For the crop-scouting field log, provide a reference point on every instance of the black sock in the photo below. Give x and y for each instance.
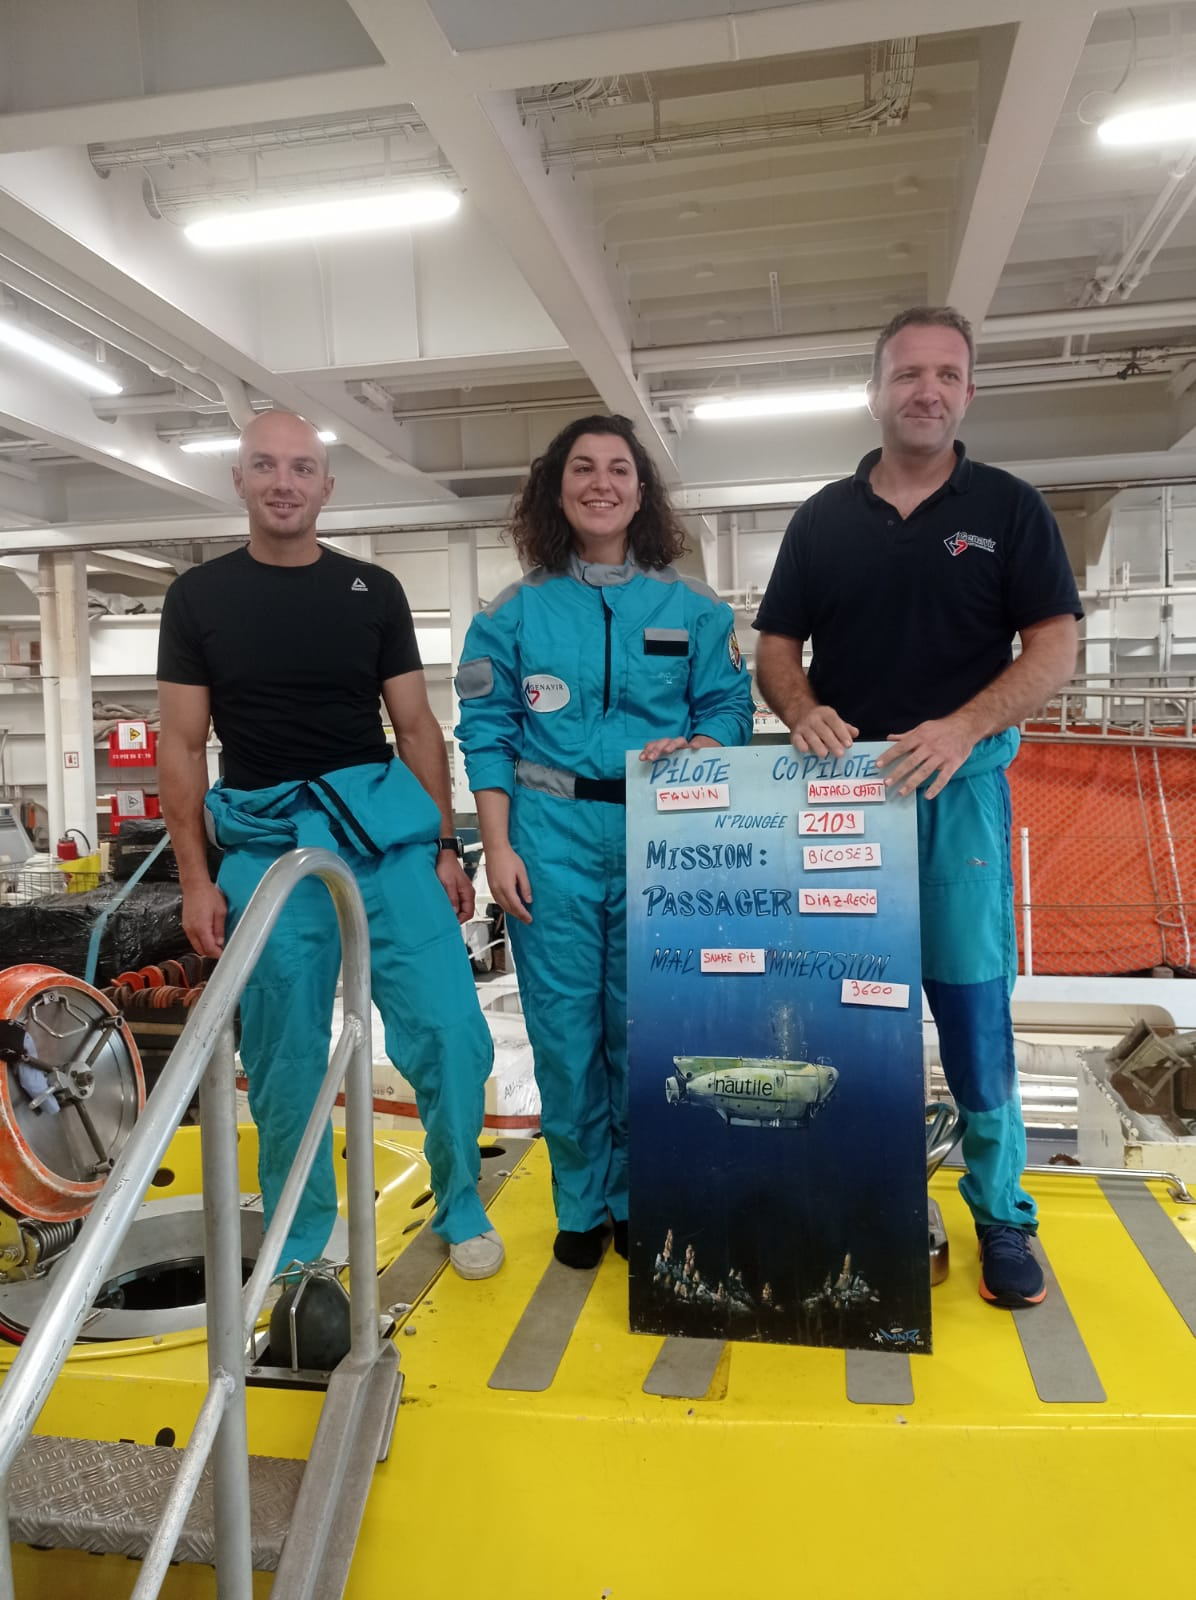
(580, 1250)
(620, 1240)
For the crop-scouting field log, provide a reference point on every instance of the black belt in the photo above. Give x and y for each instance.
(612, 790)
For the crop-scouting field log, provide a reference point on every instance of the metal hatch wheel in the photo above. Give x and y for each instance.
(71, 1090)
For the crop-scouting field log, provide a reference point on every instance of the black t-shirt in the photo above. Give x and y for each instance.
(294, 659)
(908, 620)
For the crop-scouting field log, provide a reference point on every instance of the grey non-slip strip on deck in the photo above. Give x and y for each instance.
(1054, 1349)
(542, 1333)
(1165, 1250)
(879, 1378)
(410, 1275)
(684, 1368)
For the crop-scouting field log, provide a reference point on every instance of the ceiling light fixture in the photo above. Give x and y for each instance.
(319, 219)
(220, 443)
(14, 337)
(794, 403)
(1165, 124)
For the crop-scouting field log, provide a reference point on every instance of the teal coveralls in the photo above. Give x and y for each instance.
(969, 962)
(381, 821)
(560, 677)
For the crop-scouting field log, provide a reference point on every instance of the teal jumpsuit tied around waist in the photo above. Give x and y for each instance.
(380, 821)
(969, 962)
(560, 677)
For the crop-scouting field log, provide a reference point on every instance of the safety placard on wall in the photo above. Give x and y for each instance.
(755, 1103)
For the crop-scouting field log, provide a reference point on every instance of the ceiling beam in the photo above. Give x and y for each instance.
(542, 218)
(743, 36)
(433, 522)
(126, 564)
(1185, 422)
(151, 285)
(1046, 53)
(21, 499)
(154, 116)
(47, 409)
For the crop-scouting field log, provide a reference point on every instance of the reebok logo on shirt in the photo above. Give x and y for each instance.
(959, 542)
(358, 587)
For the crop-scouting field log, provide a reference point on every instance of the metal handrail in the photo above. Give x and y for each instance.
(203, 1057)
(1065, 717)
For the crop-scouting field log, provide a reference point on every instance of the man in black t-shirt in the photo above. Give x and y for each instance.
(911, 579)
(287, 647)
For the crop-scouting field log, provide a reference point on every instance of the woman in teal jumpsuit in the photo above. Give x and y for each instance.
(601, 648)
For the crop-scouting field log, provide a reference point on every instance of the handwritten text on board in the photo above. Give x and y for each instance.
(694, 797)
(856, 993)
(837, 902)
(830, 823)
(825, 857)
(732, 961)
(855, 791)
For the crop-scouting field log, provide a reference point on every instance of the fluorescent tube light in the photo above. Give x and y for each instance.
(1166, 124)
(796, 403)
(220, 443)
(57, 359)
(323, 219)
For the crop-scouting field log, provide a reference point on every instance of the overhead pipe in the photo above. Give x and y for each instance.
(1120, 280)
(1160, 239)
(1098, 320)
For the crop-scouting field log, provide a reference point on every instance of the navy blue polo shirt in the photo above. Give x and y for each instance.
(910, 619)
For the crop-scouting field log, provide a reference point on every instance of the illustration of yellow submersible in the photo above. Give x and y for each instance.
(752, 1091)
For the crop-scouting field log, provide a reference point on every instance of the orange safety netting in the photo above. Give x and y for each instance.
(1112, 840)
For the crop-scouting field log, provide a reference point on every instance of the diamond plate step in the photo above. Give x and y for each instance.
(77, 1494)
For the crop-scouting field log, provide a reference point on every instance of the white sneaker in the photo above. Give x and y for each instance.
(479, 1257)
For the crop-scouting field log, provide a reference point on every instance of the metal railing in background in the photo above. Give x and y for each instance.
(1119, 713)
(204, 1057)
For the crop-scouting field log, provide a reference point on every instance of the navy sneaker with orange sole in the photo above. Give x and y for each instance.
(1009, 1274)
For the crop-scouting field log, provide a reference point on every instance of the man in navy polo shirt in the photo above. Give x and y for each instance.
(910, 580)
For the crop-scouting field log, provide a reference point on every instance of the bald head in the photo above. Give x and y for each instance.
(282, 476)
(278, 430)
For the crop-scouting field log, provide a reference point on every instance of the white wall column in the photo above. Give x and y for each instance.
(1097, 655)
(463, 605)
(47, 606)
(76, 725)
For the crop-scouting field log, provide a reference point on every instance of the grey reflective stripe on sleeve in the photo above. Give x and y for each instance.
(672, 635)
(671, 575)
(549, 780)
(475, 679)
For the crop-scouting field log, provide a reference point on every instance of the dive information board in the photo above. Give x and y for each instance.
(777, 1147)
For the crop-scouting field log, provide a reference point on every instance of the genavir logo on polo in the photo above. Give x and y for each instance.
(544, 693)
(959, 542)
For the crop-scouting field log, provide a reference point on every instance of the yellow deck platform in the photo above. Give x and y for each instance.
(772, 1484)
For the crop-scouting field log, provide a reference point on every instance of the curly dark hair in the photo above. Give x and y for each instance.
(538, 527)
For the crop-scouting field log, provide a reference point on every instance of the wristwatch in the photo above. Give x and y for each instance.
(452, 843)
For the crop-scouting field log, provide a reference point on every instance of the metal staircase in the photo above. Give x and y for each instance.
(211, 1502)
